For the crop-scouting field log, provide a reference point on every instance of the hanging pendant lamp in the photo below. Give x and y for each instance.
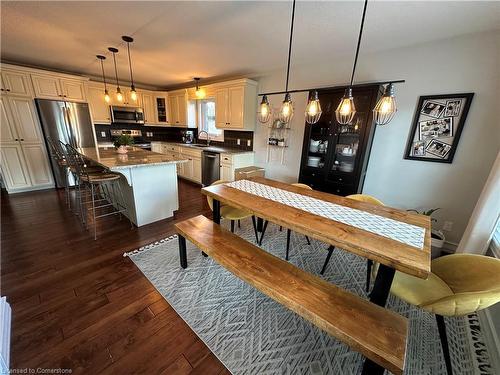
(286, 111)
(313, 108)
(133, 93)
(346, 110)
(199, 92)
(101, 58)
(119, 95)
(386, 108)
(264, 113)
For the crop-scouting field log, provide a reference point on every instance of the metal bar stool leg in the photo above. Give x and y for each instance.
(93, 210)
(288, 233)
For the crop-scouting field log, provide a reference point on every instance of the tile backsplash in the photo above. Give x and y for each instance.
(241, 140)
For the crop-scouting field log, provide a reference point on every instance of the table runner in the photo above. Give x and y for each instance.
(408, 234)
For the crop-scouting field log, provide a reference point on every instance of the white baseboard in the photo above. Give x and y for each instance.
(491, 338)
(5, 319)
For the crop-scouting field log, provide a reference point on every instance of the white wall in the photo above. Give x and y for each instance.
(468, 63)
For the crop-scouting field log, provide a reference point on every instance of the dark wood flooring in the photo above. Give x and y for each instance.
(79, 304)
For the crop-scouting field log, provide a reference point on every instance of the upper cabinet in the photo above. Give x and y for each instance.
(99, 109)
(48, 86)
(15, 83)
(161, 109)
(236, 105)
(177, 101)
(148, 107)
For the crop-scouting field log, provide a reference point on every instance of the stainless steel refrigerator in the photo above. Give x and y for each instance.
(67, 122)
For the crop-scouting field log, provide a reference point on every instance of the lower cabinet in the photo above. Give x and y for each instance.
(14, 169)
(230, 162)
(190, 170)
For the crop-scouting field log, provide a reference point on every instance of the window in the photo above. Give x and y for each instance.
(206, 120)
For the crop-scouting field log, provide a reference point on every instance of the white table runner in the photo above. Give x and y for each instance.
(408, 234)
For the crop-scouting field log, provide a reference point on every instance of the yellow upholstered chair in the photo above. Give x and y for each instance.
(458, 285)
(288, 231)
(232, 213)
(369, 263)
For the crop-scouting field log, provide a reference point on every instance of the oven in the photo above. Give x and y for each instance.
(127, 115)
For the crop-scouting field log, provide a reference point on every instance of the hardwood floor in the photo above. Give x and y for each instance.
(79, 304)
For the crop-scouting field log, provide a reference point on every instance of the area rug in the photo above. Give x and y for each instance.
(252, 334)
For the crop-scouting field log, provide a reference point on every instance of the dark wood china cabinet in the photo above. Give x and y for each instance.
(335, 156)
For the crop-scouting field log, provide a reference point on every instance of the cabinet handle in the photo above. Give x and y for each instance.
(340, 178)
(8, 90)
(22, 139)
(2, 90)
(16, 140)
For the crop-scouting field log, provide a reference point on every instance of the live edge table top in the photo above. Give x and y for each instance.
(413, 260)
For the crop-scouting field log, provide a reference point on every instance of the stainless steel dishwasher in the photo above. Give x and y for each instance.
(210, 167)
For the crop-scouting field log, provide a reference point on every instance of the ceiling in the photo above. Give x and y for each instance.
(175, 41)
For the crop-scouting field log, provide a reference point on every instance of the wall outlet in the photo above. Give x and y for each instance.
(103, 134)
(238, 141)
(249, 142)
(448, 226)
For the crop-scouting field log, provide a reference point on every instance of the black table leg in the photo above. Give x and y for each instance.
(216, 213)
(263, 232)
(260, 224)
(182, 251)
(378, 296)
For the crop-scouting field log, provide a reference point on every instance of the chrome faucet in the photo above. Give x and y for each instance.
(208, 136)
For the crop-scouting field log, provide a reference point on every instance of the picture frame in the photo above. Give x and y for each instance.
(436, 128)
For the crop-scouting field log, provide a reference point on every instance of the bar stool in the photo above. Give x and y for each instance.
(58, 155)
(98, 188)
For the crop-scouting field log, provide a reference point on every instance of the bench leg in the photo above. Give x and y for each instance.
(255, 230)
(369, 264)
(308, 241)
(444, 343)
(288, 233)
(330, 252)
(232, 226)
(216, 213)
(263, 231)
(378, 296)
(260, 224)
(182, 251)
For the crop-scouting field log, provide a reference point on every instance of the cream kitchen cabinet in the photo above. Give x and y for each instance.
(191, 170)
(15, 83)
(235, 105)
(230, 162)
(177, 101)
(54, 87)
(24, 163)
(99, 108)
(157, 147)
(161, 109)
(148, 107)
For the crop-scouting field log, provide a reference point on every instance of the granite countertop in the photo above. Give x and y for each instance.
(224, 150)
(136, 157)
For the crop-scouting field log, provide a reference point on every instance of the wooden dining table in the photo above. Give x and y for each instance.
(396, 239)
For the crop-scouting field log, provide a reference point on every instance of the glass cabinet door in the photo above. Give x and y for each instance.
(347, 144)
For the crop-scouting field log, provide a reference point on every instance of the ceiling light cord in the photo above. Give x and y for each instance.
(290, 46)
(103, 75)
(116, 71)
(130, 65)
(359, 42)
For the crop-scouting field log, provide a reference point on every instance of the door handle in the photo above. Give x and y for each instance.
(209, 156)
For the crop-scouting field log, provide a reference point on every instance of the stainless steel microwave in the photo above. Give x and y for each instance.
(129, 115)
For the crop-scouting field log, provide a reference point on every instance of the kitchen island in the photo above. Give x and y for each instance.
(149, 182)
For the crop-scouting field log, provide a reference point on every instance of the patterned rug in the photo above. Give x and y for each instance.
(252, 334)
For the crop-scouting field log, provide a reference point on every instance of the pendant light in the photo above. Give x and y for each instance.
(199, 92)
(313, 108)
(264, 113)
(286, 111)
(119, 95)
(346, 110)
(386, 108)
(133, 93)
(106, 94)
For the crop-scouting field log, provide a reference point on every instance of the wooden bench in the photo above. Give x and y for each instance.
(377, 333)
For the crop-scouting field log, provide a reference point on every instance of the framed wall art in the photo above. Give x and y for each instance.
(436, 128)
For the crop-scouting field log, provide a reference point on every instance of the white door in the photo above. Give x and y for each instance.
(14, 170)
(46, 86)
(73, 89)
(17, 83)
(25, 119)
(149, 108)
(38, 164)
(221, 108)
(8, 132)
(236, 97)
(99, 109)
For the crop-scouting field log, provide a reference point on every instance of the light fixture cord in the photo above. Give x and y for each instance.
(359, 42)
(103, 76)
(116, 71)
(130, 64)
(290, 46)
